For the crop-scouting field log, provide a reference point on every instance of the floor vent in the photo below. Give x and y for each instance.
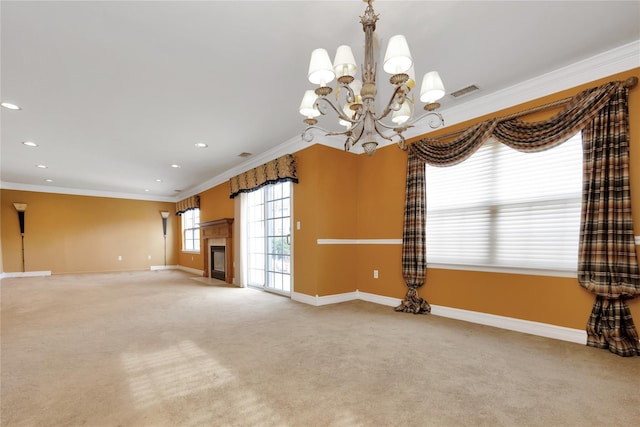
(464, 91)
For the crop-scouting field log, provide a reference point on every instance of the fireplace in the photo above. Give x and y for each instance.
(218, 249)
(218, 262)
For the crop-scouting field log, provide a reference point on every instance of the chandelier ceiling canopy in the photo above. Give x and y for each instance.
(357, 110)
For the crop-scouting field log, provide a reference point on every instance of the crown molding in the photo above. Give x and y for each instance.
(290, 146)
(83, 192)
(617, 60)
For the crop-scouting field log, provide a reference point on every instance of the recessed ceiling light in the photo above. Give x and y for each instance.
(158, 180)
(48, 180)
(175, 166)
(146, 190)
(10, 106)
(30, 144)
(201, 145)
(41, 166)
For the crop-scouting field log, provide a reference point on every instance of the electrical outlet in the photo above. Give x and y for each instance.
(149, 257)
(119, 257)
(375, 274)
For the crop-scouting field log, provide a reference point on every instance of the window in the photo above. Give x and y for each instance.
(504, 209)
(191, 230)
(268, 244)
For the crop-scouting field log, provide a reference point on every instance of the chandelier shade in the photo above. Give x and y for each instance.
(344, 63)
(398, 58)
(307, 107)
(403, 114)
(432, 88)
(320, 68)
(355, 105)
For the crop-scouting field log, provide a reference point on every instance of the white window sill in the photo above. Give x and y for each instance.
(508, 270)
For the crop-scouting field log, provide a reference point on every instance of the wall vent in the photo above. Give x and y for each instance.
(464, 91)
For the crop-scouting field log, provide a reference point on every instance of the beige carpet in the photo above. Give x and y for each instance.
(162, 349)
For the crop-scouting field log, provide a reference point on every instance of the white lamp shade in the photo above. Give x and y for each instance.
(397, 59)
(320, 68)
(164, 214)
(432, 88)
(307, 107)
(347, 112)
(344, 64)
(403, 114)
(20, 207)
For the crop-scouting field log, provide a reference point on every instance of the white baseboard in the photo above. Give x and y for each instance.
(378, 299)
(518, 325)
(163, 267)
(25, 274)
(510, 323)
(177, 267)
(190, 270)
(325, 300)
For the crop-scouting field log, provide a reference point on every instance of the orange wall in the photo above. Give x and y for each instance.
(381, 188)
(74, 234)
(325, 204)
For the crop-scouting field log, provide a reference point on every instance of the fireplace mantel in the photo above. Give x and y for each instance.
(215, 230)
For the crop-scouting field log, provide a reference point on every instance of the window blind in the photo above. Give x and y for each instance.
(504, 208)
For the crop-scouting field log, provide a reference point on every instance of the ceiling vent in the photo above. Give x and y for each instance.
(464, 91)
(245, 154)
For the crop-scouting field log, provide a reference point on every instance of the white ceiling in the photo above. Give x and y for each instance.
(115, 92)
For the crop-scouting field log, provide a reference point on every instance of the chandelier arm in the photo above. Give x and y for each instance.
(399, 93)
(340, 114)
(402, 143)
(381, 133)
(307, 135)
(433, 124)
(351, 97)
(357, 132)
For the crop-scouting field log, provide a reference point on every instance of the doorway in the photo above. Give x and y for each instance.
(269, 242)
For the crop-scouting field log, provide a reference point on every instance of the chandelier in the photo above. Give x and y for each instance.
(357, 111)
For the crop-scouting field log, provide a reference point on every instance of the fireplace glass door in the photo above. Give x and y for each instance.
(218, 262)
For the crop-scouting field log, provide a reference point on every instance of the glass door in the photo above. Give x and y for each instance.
(269, 238)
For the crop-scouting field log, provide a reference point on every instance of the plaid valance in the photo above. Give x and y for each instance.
(189, 203)
(278, 170)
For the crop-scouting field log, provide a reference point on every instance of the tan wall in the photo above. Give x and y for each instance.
(74, 234)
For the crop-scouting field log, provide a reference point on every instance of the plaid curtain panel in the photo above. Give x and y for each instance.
(414, 260)
(607, 262)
